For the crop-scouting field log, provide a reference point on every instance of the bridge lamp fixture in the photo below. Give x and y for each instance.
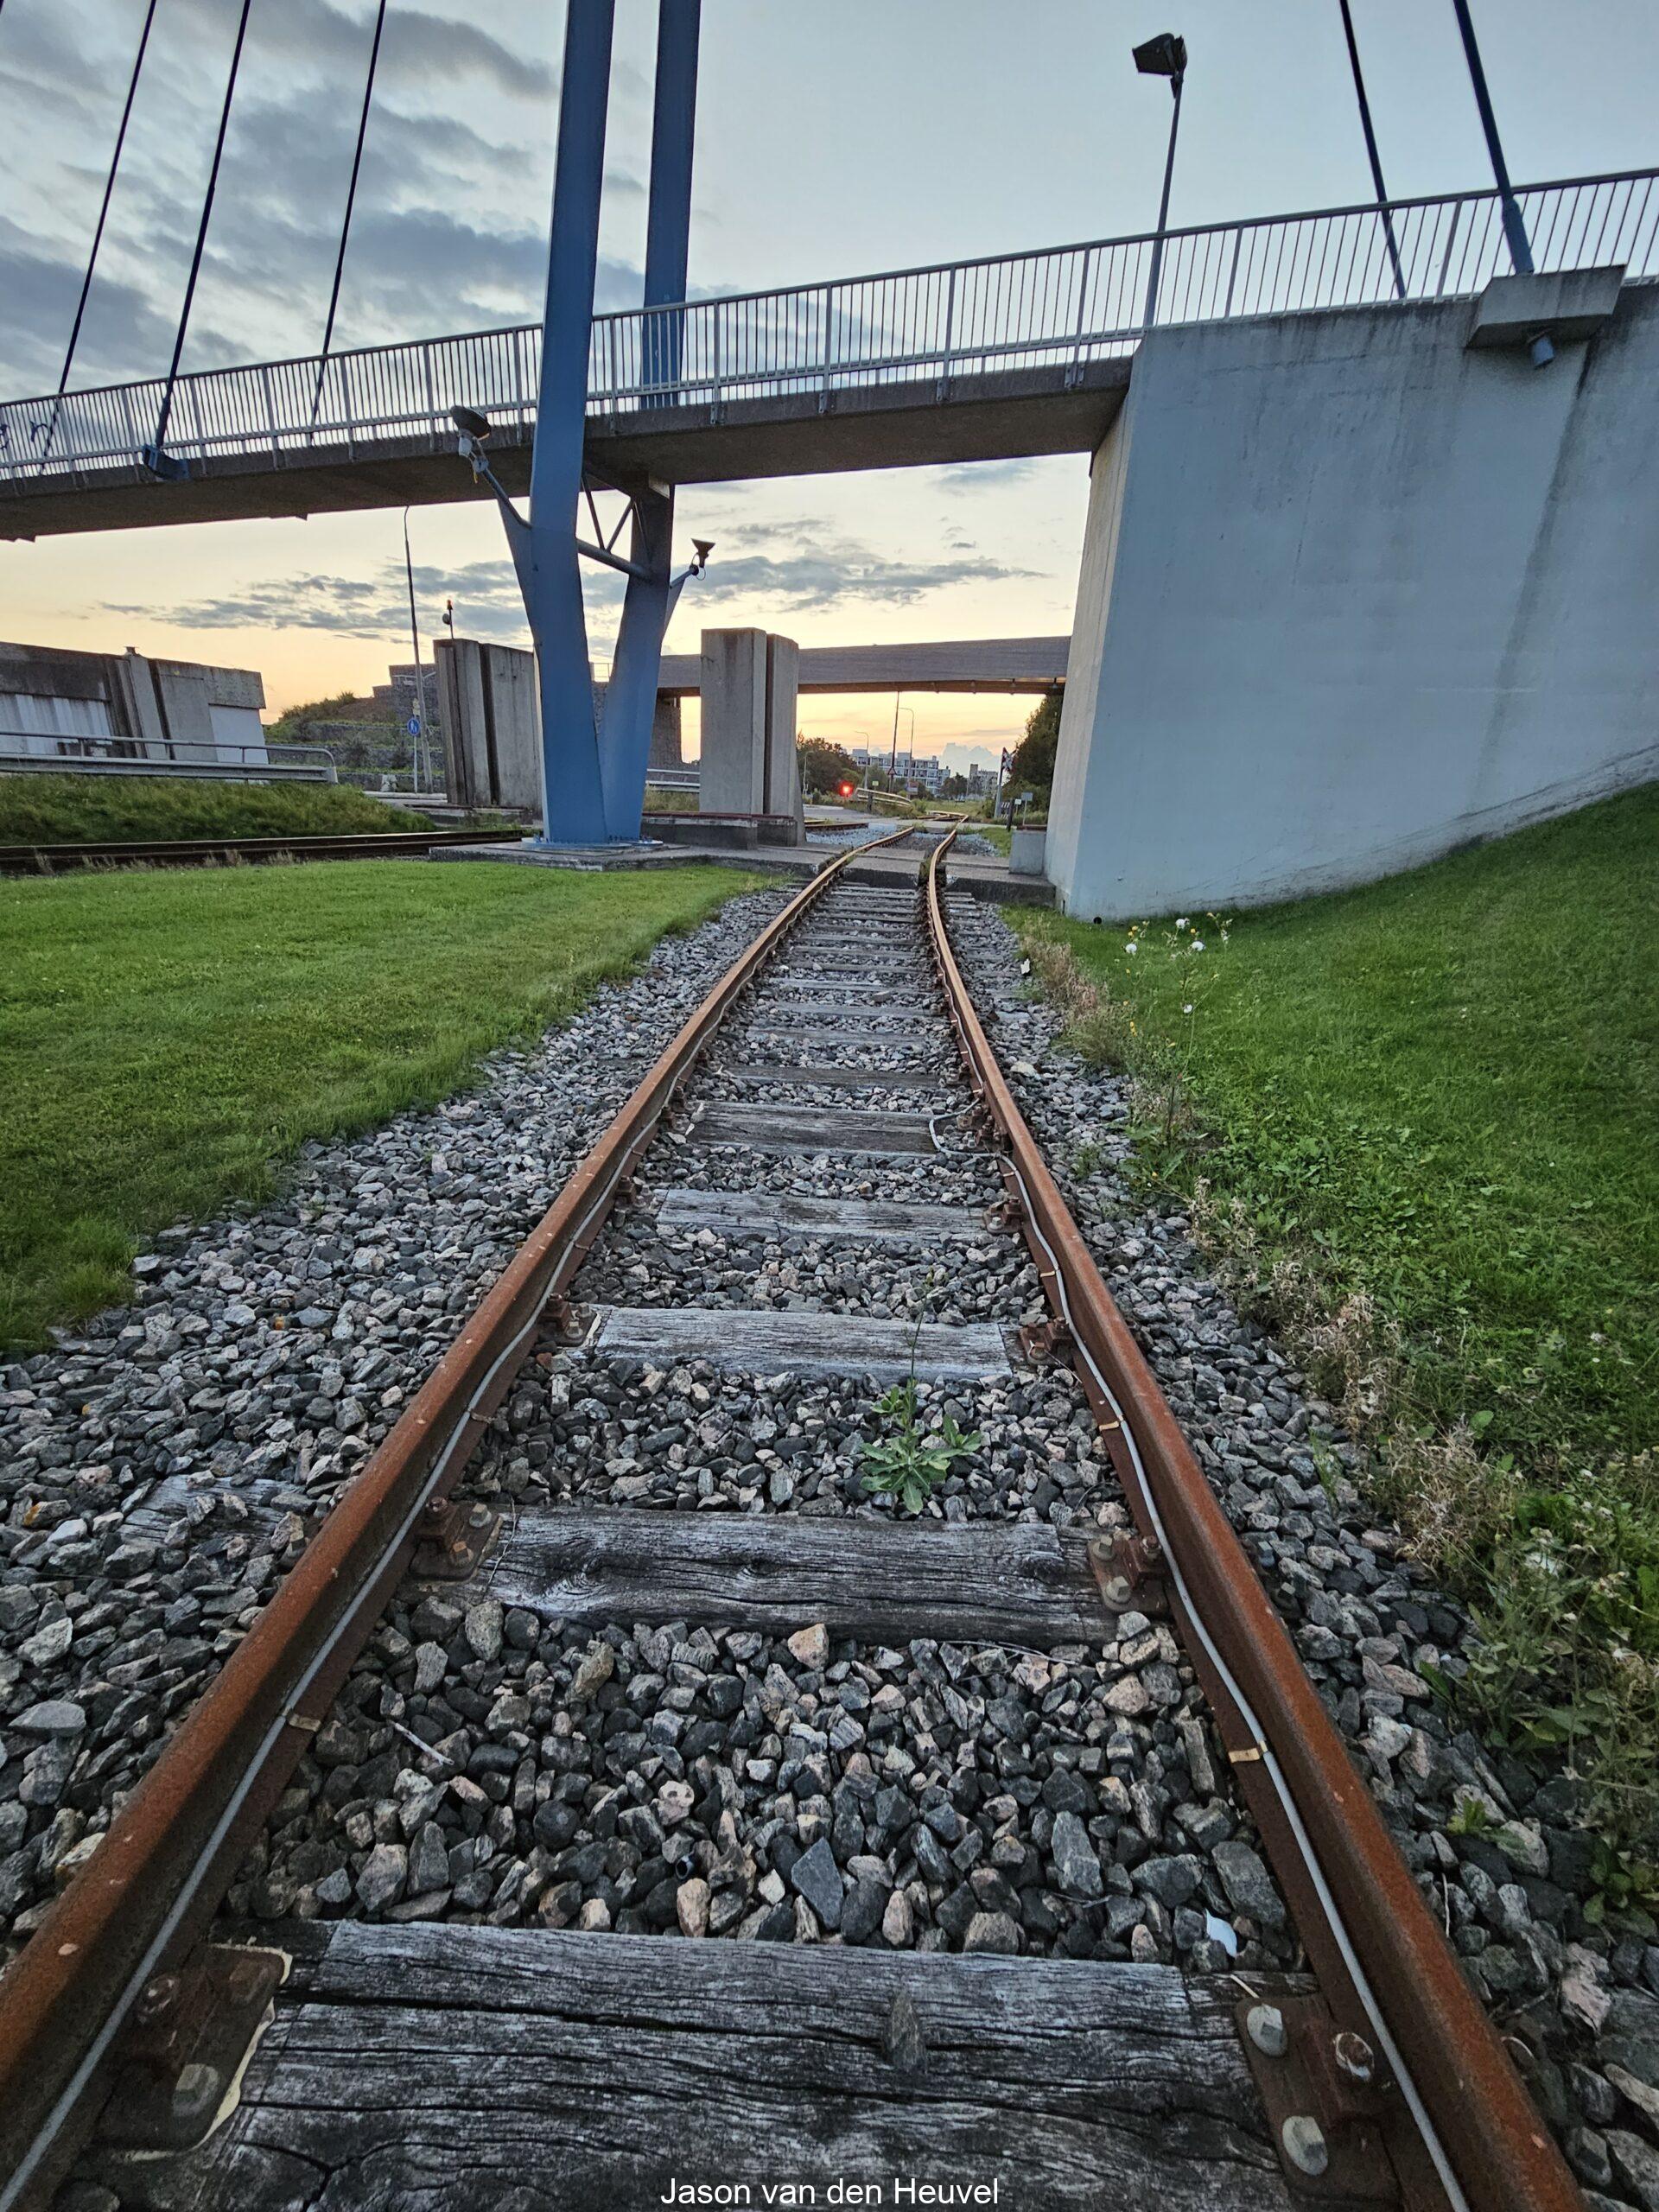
(1163, 56)
(474, 430)
(702, 547)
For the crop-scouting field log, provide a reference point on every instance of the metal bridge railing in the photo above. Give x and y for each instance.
(1068, 305)
(23, 751)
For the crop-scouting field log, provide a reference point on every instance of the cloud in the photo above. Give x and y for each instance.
(40, 290)
(815, 576)
(449, 232)
(333, 44)
(828, 574)
(374, 607)
(980, 475)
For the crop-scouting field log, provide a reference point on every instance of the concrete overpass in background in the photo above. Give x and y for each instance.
(1020, 355)
(1029, 665)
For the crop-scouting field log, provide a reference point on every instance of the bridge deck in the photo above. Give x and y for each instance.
(1011, 414)
(1021, 355)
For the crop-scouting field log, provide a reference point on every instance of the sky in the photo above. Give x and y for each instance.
(833, 140)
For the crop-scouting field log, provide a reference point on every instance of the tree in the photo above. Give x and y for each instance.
(1032, 768)
(293, 725)
(825, 767)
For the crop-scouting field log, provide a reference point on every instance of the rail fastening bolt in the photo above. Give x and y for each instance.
(1353, 2055)
(1265, 2025)
(197, 2092)
(160, 1995)
(1305, 2144)
(244, 1981)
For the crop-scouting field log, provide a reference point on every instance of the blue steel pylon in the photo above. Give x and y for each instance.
(652, 592)
(544, 546)
(593, 791)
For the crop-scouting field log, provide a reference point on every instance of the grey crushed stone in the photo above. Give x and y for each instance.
(161, 1467)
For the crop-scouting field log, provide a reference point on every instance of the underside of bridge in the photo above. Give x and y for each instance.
(1012, 415)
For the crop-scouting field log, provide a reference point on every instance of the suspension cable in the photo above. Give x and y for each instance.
(97, 234)
(345, 224)
(157, 451)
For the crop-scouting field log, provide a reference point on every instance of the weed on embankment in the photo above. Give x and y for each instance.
(1414, 1125)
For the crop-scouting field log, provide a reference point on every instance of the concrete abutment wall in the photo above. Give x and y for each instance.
(1352, 595)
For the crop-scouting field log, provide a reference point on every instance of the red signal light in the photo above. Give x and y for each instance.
(846, 791)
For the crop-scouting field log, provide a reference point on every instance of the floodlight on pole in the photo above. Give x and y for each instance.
(1163, 56)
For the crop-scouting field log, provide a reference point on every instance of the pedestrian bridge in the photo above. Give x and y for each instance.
(1023, 355)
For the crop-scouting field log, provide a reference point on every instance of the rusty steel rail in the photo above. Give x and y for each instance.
(1464, 2131)
(150, 1889)
(205, 852)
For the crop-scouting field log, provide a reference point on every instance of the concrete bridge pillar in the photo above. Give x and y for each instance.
(666, 751)
(750, 682)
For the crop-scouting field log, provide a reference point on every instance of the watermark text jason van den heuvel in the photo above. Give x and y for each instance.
(902, 2189)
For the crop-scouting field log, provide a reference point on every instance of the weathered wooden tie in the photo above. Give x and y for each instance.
(456, 2069)
(854, 1221)
(738, 1340)
(766, 1076)
(813, 1128)
(976, 1583)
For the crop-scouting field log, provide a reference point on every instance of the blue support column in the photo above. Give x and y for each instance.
(631, 697)
(544, 549)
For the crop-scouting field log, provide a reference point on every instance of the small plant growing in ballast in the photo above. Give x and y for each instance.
(906, 1464)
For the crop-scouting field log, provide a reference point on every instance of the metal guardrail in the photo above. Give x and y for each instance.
(123, 756)
(1072, 305)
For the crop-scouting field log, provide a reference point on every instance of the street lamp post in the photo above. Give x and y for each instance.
(1163, 56)
(892, 764)
(418, 714)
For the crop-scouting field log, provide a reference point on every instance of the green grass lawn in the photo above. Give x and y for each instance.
(98, 809)
(168, 1037)
(1440, 1091)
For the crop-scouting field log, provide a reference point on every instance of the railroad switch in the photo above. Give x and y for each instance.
(191, 2036)
(1326, 2094)
(1131, 1575)
(454, 1534)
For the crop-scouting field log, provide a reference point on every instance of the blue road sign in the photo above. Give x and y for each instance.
(413, 725)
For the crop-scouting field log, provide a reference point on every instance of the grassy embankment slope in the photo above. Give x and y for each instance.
(169, 1038)
(100, 809)
(1424, 1113)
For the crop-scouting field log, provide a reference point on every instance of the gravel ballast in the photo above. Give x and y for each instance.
(160, 1469)
(485, 1764)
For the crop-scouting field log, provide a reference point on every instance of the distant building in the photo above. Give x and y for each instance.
(396, 700)
(917, 772)
(56, 702)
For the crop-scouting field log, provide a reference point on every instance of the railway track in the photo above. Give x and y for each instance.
(216, 852)
(996, 1779)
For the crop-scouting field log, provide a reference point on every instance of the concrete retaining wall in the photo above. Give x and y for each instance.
(1352, 595)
